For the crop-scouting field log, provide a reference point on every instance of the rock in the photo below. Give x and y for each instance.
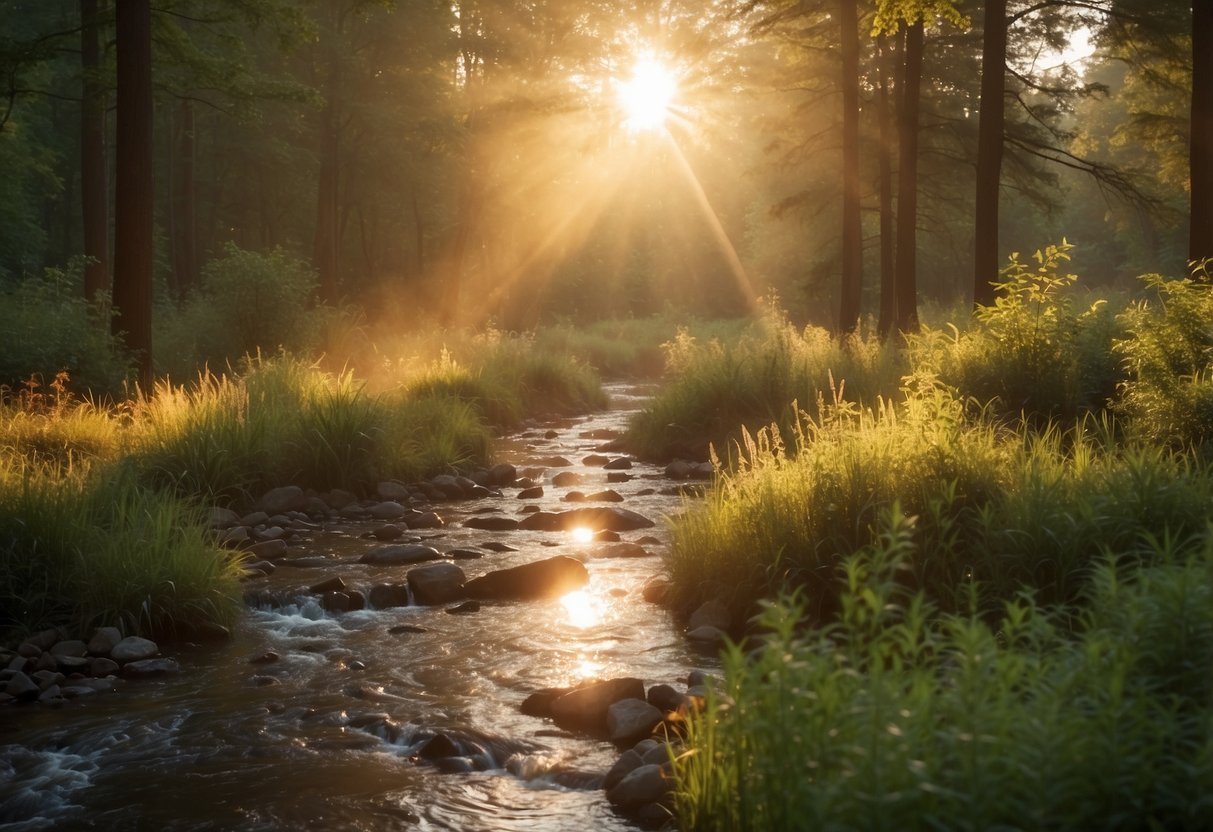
(665, 699)
(76, 691)
(22, 688)
(47, 661)
(540, 702)
(218, 517)
(392, 490)
(307, 562)
(103, 641)
(619, 464)
(607, 496)
(29, 651)
(656, 589)
(619, 476)
(623, 550)
(532, 493)
(101, 667)
(256, 518)
(339, 602)
(553, 462)
(573, 497)
(679, 470)
(339, 498)
(479, 492)
(539, 579)
(631, 719)
(53, 695)
(641, 786)
(72, 664)
(658, 755)
(397, 554)
(334, 584)
(72, 647)
(387, 510)
(437, 583)
(541, 521)
(464, 554)
(424, 520)
(707, 635)
(551, 434)
(497, 546)
(234, 537)
(702, 679)
(566, 478)
(387, 532)
(144, 668)
(133, 649)
(466, 608)
(586, 707)
(628, 762)
(604, 517)
(449, 486)
(384, 596)
(267, 549)
(44, 640)
(263, 681)
(594, 460)
(280, 500)
(491, 524)
(714, 613)
(438, 746)
(268, 657)
(653, 815)
(503, 474)
(606, 536)
(400, 629)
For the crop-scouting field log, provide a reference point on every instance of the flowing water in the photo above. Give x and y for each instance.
(327, 736)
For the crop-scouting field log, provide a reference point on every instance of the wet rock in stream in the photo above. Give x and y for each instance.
(548, 578)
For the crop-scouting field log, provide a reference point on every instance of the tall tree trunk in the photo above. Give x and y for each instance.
(185, 198)
(1200, 230)
(133, 214)
(94, 177)
(888, 279)
(989, 150)
(907, 184)
(852, 230)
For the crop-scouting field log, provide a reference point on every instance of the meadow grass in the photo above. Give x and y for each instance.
(898, 717)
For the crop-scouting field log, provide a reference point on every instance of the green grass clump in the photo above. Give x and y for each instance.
(714, 388)
(897, 717)
(80, 551)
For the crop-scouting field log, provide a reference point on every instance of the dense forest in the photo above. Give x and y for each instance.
(471, 163)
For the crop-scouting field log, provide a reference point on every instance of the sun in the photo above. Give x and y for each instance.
(646, 96)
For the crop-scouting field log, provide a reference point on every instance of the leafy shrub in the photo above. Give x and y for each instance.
(1168, 354)
(1031, 353)
(49, 328)
(897, 717)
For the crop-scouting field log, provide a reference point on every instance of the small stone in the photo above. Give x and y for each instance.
(22, 688)
(44, 640)
(665, 698)
(76, 691)
(385, 596)
(73, 647)
(221, 518)
(257, 518)
(46, 678)
(261, 681)
(595, 460)
(619, 464)
(564, 479)
(150, 667)
(53, 695)
(607, 496)
(268, 657)
(267, 549)
(425, 520)
(388, 532)
(466, 608)
(101, 667)
(623, 550)
(387, 510)
(586, 707)
(334, 584)
(279, 500)
(29, 651)
(618, 476)
(438, 746)
(532, 493)
(656, 589)
(491, 524)
(497, 546)
(464, 554)
(395, 554)
(133, 649)
(573, 497)
(707, 635)
(606, 536)
(73, 664)
(392, 490)
(234, 537)
(503, 474)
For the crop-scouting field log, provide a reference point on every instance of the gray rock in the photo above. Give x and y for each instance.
(384, 596)
(133, 649)
(466, 608)
(22, 688)
(29, 651)
(532, 493)
(53, 695)
(76, 691)
(392, 490)
(334, 584)
(679, 470)
(73, 664)
(622, 550)
(338, 498)
(150, 667)
(643, 785)
(234, 537)
(279, 500)
(701, 679)
(221, 518)
(267, 549)
(72, 647)
(659, 755)
(566, 478)
(586, 707)
(631, 719)
(424, 520)
(552, 462)
(388, 532)
(101, 667)
(540, 579)
(401, 629)
(270, 534)
(256, 518)
(607, 496)
(656, 589)
(464, 554)
(664, 698)
(628, 762)
(437, 583)
(46, 678)
(103, 641)
(707, 635)
(714, 613)
(619, 464)
(449, 486)
(387, 510)
(44, 640)
(502, 474)
(397, 554)
(594, 460)
(619, 476)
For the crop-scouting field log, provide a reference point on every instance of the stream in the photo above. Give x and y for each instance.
(327, 736)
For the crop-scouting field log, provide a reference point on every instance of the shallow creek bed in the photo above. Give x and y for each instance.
(385, 717)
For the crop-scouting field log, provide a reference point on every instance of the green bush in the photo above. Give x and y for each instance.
(49, 328)
(1031, 354)
(1168, 353)
(896, 717)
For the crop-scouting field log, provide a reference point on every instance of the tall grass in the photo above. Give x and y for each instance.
(80, 551)
(896, 717)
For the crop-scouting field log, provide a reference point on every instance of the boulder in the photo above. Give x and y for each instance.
(566, 478)
(150, 667)
(397, 554)
(594, 460)
(234, 537)
(665, 698)
(503, 474)
(387, 510)
(491, 523)
(547, 578)
(334, 584)
(609, 495)
(622, 550)
(629, 720)
(283, 499)
(133, 649)
(656, 589)
(22, 688)
(641, 786)
(267, 549)
(585, 708)
(449, 486)
(437, 583)
(714, 613)
(71, 647)
(383, 596)
(707, 635)
(387, 532)
(532, 493)
(392, 490)
(466, 608)
(628, 762)
(424, 520)
(604, 517)
(618, 464)
(221, 518)
(101, 667)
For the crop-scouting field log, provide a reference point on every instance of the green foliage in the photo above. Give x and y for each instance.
(714, 388)
(250, 301)
(49, 328)
(897, 717)
(1030, 353)
(1168, 354)
(128, 556)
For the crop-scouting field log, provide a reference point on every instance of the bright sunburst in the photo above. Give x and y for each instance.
(647, 95)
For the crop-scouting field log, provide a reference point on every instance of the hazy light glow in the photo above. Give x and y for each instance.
(647, 95)
(582, 535)
(582, 609)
